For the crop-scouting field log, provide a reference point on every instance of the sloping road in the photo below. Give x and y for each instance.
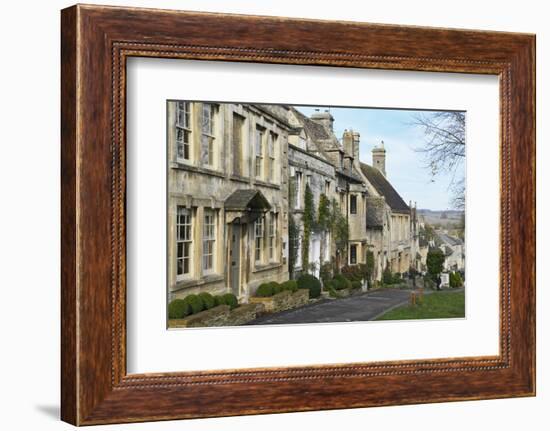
(351, 309)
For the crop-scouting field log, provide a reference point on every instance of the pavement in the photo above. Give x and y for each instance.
(367, 306)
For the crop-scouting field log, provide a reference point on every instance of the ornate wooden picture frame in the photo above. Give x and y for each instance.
(96, 41)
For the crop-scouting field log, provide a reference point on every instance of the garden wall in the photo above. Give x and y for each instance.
(282, 301)
(221, 315)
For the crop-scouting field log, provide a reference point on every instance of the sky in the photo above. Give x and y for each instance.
(405, 165)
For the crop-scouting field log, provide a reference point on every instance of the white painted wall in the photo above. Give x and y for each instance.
(29, 173)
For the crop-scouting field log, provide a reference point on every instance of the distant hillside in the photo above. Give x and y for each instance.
(441, 217)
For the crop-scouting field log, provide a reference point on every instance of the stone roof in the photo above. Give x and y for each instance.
(447, 250)
(246, 199)
(447, 239)
(328, 146)
(279, 112)
(314, 130)
(375, 212)
(384, 188)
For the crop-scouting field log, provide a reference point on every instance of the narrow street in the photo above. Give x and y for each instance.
(355, 308)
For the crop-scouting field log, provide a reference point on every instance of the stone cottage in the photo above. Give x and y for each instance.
(237, 174)
(330, 170)
(227, 197)
(388, 219)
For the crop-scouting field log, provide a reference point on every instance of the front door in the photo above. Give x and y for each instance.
(235, 258)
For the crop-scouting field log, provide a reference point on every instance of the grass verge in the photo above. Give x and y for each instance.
(437, 305)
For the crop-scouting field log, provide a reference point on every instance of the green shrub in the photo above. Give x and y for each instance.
(207, 299)
(218, 299)
(350, 271)
(231, 300)
(357, 272)
(178, 309)
(290, 285)
(340, 282)
(328, 285)
(396, 279)
(387, 276)
(325, 271)
(331, 290)
(276, 287)
(455, 280)
(195, 303)
(264, 290)
(356, 284)
(308, 281)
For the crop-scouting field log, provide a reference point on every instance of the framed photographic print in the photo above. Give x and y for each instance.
(268, 215)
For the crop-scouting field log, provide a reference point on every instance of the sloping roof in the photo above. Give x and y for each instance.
(447, 250)
(246, 199)
(384, 188)
(328, 146)
(313, 129)
(275, 111)
(375, 212)
(447, 239)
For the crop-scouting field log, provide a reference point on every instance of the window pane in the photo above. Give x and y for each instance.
(183, 239)
(186, 266)
(207, 119)
(205, 150)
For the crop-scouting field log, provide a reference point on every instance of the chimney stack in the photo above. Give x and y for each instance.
(350, 142)
(379, 158)
(325, 119)
(356, 139)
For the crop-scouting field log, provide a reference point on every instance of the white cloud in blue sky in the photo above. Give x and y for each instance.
(405, 167)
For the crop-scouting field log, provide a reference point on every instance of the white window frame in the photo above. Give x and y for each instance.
(356, 253)
(209, 241)
(259, 153)
(272, 232)
(273, 137)
(184, 236)
(183, 131)
(259, 240)
(208, 138)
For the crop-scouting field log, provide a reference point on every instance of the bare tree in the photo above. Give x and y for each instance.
(445, 148)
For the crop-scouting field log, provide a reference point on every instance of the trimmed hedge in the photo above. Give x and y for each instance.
(178, 309)
(208, 300)
(229, 299)
(265, 290)
(290, 285)
(195, 302)
(275, 287)
(311, 283)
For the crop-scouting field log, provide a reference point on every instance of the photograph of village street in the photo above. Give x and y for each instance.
(287, 214)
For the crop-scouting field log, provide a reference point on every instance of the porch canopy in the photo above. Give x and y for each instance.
(245, 206)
